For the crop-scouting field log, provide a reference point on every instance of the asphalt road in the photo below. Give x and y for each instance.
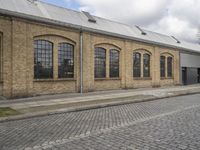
(172, 124)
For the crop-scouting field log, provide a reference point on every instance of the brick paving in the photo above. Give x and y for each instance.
(177, 131)
(161, 124)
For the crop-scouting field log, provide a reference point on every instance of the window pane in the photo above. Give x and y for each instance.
(100, 63)
(162, 66)
(43, 62)
(169, 66)
(146, 60)
(114, 63)
(136, 64)
(65, 60)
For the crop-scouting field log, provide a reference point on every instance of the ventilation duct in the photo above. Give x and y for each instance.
(142, 31)
(177, 41)
(90, 17)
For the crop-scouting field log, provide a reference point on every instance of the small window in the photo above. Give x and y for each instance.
(65, 60)
(114, 63)
(43, 59)
(162, 66)
(136, 65)
(146, 63)
(169, 66)
(100, 62)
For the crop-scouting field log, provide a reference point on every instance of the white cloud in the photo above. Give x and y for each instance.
(172, 25)
(174, 17)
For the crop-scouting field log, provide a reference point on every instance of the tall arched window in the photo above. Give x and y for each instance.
(65, 60)
(146, 65)
(100, 63)
(162, 66)
(169, 66)
(136, 65)
(43, 59)
(114, 63)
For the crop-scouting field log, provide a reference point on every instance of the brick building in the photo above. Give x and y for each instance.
(45, 49)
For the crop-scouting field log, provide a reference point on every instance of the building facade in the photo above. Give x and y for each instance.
(41, 55)
(43, 59)
(190, 68)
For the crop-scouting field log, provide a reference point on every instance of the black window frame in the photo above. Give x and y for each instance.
(43, 59)
(146, 65)
(170, 67)
(65, 60)
(114, 63)
(162, 66)
(137, 65)
(100, 62)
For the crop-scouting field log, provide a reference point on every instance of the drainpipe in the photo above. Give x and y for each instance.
(81, 62)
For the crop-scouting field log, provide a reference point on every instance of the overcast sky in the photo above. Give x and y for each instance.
(180, 18)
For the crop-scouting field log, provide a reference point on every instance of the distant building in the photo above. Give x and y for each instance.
(45, 49)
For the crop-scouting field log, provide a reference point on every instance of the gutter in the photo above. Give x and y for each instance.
(82, 28)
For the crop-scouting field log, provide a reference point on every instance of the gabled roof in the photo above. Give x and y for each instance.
(43, 12)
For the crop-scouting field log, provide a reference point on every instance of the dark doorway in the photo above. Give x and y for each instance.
(184, 75)
(198, 78)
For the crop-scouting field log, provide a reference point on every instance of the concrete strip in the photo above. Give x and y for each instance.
(158, 93)
(72, 96)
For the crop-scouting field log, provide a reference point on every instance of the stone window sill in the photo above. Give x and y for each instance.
(54, 80)
(166, 78)
(142, 78)
(103, 79)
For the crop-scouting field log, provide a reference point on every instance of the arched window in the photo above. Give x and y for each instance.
(169, 66)
(65, 60)
(100, 63)
(43, 59)
(114, 63)
(146, 65)
(136, 65)
(162, 66)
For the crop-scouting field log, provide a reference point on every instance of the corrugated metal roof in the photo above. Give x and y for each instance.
(49, 13)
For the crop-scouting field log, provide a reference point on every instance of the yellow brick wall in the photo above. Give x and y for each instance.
(126, 48)
(55, 35)
(6, 31)
(18, 60)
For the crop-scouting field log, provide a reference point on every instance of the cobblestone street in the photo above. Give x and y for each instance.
(172, 123)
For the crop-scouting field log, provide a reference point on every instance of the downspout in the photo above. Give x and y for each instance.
(81, 61)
